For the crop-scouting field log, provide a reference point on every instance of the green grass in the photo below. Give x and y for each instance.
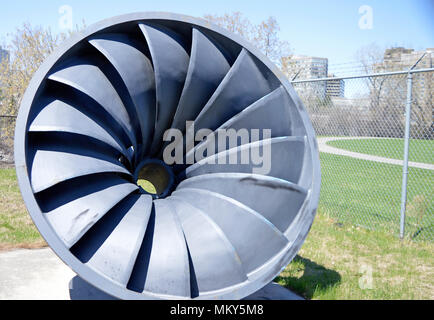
(368, 193)
(16, 227)
(338, 254)
(419, 150)
(336, 260)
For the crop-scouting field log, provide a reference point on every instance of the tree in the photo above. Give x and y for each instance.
(265, 35)
(234, 22)
(28, 48)
(266, 38)
(370, 58)
(386, 93)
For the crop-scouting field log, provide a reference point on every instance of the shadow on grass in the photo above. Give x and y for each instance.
(315, 278)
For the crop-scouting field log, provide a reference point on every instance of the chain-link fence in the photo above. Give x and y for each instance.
(360, 123)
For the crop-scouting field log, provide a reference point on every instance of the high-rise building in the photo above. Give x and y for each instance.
(335, 88)
(400, 58)
(307, 67)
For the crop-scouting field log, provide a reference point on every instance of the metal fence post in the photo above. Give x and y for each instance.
(405, 164)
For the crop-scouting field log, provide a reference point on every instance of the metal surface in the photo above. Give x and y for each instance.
(98, 108)
(405, 164)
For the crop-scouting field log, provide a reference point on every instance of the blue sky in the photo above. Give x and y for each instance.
(322, 28)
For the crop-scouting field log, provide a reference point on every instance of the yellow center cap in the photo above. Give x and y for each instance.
(153, 178)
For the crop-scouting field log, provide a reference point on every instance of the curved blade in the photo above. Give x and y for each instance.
(90, 80)
(208, 66)
(240, 224)
(208, 248)
(59, 116)
(270, 112)
(73, 219)
(51, 167)
(244, 84)
(170, 61)
(276, 200)
(137, 73)
(168, 270)
(117, 255)
(282, 158)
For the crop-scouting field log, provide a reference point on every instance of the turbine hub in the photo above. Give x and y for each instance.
(154, 177)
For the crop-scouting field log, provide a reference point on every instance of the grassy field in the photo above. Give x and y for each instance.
(420, 150)
(16, 226)
(368, 193)
(339, 257)
(341, 261)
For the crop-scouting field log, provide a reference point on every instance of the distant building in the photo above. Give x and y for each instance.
(307, 67)
(335, 88)
(400, 58)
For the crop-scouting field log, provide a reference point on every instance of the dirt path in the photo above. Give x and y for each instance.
(323, 147)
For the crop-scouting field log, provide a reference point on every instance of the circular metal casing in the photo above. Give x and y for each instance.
(224, 232)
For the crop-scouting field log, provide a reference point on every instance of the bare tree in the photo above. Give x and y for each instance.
(267, 39)
(28, 48)
(386, 93)
(265, 35)
(234, 22)
(370, 57)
